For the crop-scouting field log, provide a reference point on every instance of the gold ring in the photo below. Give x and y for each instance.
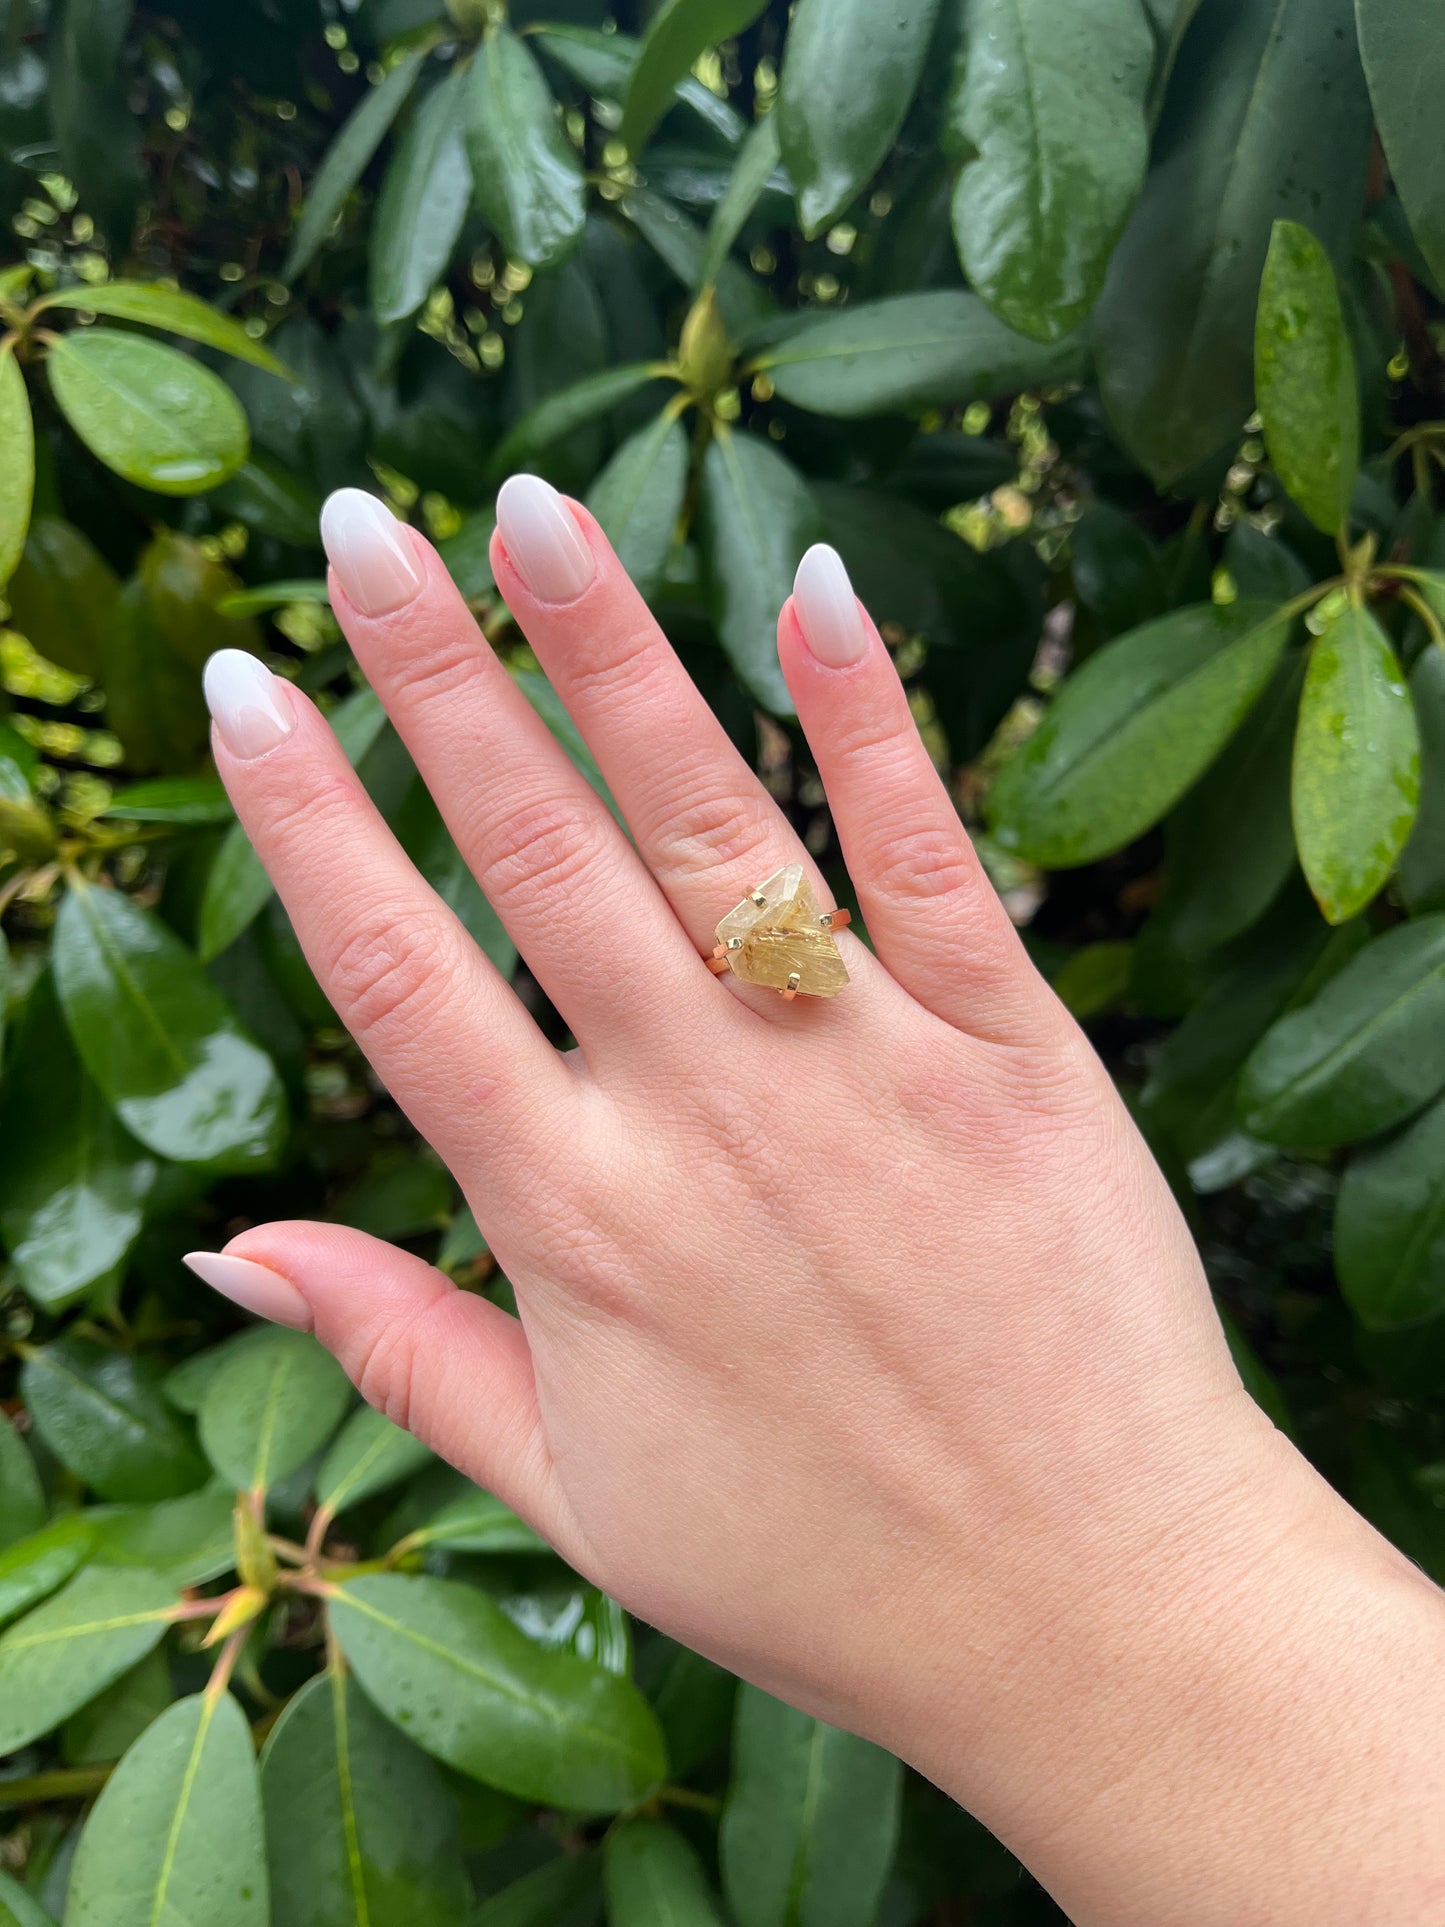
(779, 938)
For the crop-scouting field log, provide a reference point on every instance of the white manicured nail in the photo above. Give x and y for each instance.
(542, 538)
(251, 708)
(365, 545)
(827, 609)
(254, 1287)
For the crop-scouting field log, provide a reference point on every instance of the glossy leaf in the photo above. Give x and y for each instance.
(18, 1908)
(910, 351)
(188, 1541)
(346, 161)
(1304, 374)
(33, 1568)
(360, 1830)
(158, 1037)
(186, 1386)
(153, 699)
(1368, 1051)
(446, 1664)
(811, 1820)
(103, 1416)
(185, 587)
(269, 1407)
(1052, 101)
(1356, 782)
(1390, 1227)
(424, 200)
(427, 841)
(189, 801)
(17, 477)
(529, 182)
(115, 1719)
(22, 1502)
(566, 410)
(178, 313)
(274, 595)
(1422, 862)
(68, 1650)
(849, 72)
(754, 168)
(73, 1185)
(757, 520)
(477, 1522)
(176, 1832)
(638, 498)
(678, 31)
(1265, 119)
(654, 1879)
(368, 1455)
(565, 1892)
(1405, 67)
(1132, 729)
(678, 242)
(155, 416)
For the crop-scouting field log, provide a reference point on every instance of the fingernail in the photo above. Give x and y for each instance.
(543, 540)
(254, 1287)
(251, 708)
(827, 609)
(372, 559)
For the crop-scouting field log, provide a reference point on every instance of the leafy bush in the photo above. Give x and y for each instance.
(1122, 410)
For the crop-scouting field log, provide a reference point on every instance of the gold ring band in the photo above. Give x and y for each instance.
(779, 937)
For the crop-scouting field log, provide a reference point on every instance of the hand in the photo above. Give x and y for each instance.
(862, 1346)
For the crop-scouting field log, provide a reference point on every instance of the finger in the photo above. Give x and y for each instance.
(442, 1363)
(555, 866)
(438, 1022)
(931, 911)
(703, 823)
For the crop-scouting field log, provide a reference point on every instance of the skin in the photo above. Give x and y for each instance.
(862, 1345)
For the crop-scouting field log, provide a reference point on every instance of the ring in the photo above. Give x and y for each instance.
(779, 938)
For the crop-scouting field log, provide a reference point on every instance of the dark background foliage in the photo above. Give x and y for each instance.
(1103, 338)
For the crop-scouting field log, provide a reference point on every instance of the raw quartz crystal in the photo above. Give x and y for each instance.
(767, 942)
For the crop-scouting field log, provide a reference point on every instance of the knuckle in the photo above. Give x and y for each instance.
(713, 829)
(935, 865)
(389, 973)
(443, 667)
(541, 847)
(623, 658)
(292, 818)
(385, 1359)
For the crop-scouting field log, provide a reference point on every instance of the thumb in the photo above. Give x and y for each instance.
(449, 1367)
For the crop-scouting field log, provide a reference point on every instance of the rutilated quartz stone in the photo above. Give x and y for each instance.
(777, 934)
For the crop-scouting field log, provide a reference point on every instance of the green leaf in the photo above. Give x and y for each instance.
(1390, 1227)
(678, 31)
(103, 1416)
(1118, 574)
(563, 413)
(33, 1568)
(1356, 783)
(1304, 376)
(153, 700)
(185, 800)
(910, 351)
(269, 1407)
(368, 1455)
(347, 158)
(467, 554)
(478, 1522)
(115, 1719)
(1368, 1051)
(638, 498)
(186, 1386)
(424, 200)
(159, 306)
(755, 166)
(17, 478)
(360, 1829)
(427, 841)
(565, 1892)
(849, 72)
(176, 1832)
(238, 888)
(811, 1820)
(1132, 729)
(1405, 67)
(68, 1650)
(185, 586)
(756, 520)
(73, 1185)
(654, 1879)
(1052, 99)
(17, 1908)
(159, 1039)
(274, 595)
(1266, 118)
(22, 1502)
(155, 416)
(188, 1541)
(448, 1666)
(1422, 862)
(529, 182)
(550, 707)
(678, 242)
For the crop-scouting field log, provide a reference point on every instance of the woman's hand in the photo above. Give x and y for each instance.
(862, 1346)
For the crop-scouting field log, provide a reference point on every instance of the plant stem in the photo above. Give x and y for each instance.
(63, 1783)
